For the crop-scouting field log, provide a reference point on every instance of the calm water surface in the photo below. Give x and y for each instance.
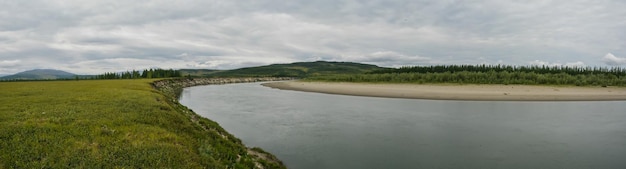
(311, 130)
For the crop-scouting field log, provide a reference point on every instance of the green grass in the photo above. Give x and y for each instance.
(109, 124)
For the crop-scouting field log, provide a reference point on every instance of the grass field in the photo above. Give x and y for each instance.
(109, 124)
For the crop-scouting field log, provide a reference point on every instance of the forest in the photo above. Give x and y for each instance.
(489, 74)
(145, 74)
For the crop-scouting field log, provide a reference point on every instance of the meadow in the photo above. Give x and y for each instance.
(110, 124)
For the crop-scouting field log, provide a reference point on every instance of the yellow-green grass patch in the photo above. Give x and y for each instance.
(103, 124)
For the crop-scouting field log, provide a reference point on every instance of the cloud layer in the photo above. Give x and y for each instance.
(90, 37)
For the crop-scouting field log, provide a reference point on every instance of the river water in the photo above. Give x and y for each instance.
(315, 131)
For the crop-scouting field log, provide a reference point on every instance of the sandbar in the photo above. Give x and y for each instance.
(459, 92)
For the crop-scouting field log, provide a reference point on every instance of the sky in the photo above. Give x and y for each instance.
(97, 36)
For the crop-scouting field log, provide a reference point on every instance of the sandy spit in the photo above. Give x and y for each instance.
(459, 92)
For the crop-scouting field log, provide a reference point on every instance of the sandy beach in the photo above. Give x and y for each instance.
(459, 92)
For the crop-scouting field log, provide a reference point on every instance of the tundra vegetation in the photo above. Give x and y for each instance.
(111, 124)
(488, 74)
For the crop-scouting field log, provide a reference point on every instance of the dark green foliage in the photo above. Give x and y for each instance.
(482, 74)
(134, 74)
(617, 71)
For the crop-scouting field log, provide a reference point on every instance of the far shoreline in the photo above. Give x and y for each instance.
(470, 92)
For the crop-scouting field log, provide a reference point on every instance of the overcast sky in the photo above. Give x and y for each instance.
(92, 37)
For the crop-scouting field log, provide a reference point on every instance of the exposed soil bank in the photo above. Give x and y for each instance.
(173, 87)
(460, 92)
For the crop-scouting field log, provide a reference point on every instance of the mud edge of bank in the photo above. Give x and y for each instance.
(172, 88)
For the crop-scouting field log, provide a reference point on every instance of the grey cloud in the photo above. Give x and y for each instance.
(569, 64)
(96, 36)
(388, 58)
(9, 63)
(613, 60)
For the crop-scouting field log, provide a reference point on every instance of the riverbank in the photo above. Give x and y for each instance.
(173, 88)
(115, 124)
(459, 92)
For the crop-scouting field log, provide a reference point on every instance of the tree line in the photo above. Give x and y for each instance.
(492, 74)
(145, 74)
(543, 69)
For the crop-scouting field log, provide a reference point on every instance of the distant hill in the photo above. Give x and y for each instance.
(198, 72)
(298, 69)
(40, 74)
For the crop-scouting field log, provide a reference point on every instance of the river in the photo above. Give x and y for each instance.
(315, 131)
